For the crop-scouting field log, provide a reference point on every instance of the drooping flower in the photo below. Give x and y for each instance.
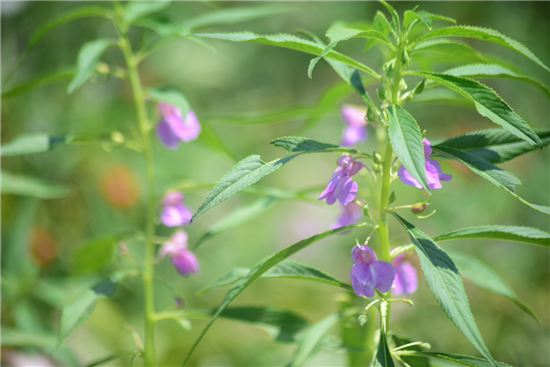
(405, 276)
(183, 260)
(369, 273)
(172, 127)
(356, 125)
(340, 186)
(433, 171)
(174, 213)
(350, 214)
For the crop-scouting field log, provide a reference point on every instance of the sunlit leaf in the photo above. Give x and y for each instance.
(482, 275)
(396, 25)
(88, 57)
(445, 50)
(33, 187)
(406, 140)
(260, 268)
(422, 16)
(445, 283)
(137, 9)
(530, 235)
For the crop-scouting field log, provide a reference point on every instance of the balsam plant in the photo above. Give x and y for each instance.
(379, 273)
(407, 154)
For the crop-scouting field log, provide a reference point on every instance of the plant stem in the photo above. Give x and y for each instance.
(148, 273)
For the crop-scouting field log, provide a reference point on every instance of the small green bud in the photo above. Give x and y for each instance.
(381, 93)
(392, 197)
(377, 158)
(420, 87)
(117, 137)
(362, 319)
(419, 208)
(402, 85)
(371, 116)
(405, 58)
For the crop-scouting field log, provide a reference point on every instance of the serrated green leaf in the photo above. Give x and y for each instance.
(396, 25)
(494, 145)
(291, 42)
(380, 24)
(94, 256)
(239, 216)
(311, 341)
(411, 360)
(422, 16)
(487, 102)
(245, 173)
(88, 57)
(445, 50)
(484, 34)
(406, 140)
(32, 187)
(293, 144)
(339, 34)
(490, 172)
(285, 269)
(442, 17)
(260, 268)
(482, 275)
(137, 9)
(456, 358)
(171, 96)
(478, 71)
(445, 283)
(530, 235)
(62, 74)
(383, 355)
(442, 96)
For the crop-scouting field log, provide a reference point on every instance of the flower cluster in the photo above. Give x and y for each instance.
(356, 125)
(369, 273)
(340, 186)
(433, 171)
(172, 127)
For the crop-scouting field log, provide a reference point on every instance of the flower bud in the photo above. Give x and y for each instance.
(362, 319)
(419, 208)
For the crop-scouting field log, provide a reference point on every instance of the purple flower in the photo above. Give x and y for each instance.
(172, 127)
(405, 276)
(174, 213)
(183, 260)
(433, 171)
(351, 213)
(368, 273)
(355, 130)
(340, 185)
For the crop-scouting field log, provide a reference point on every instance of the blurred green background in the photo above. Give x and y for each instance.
(40, 237)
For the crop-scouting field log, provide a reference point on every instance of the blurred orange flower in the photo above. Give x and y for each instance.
(118, 185)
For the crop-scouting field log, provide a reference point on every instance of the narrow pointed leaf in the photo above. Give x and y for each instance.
(530, 235)
(383, 355)
(494, 145)
(442, 17)
(32, 187)
(457, 358)
(445, 283)
(291, 42)
(240, 216)
(88, 57)
(137, 9)
(445, 50)
(260, 268)
(415, 361)
(422, 16)
(483, 276)
(285, 269)
(479, 71)
(312, 339)
(59, 75)
(490, 172)
(487, 102)
(293, 144)
(380, 24)
(394, 16)
(484, 34)
(406, 141)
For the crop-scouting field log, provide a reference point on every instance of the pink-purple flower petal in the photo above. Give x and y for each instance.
(368, 273)
(351, 213)
(173, 127)
(406, 281)
(340, 186)
(174, 212)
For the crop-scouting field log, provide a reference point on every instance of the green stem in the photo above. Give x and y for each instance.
(148, 273)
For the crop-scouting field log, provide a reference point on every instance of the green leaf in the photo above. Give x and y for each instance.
(285, 269)
(211, 139)
(494, 145)
(383, 356)
(530, 235)
(291, 42)
(239, 216)
(293, 144)
(484, 34)
(411, 360)
(260, 268)
(490, 172)
(137, 9)
(59, 75)
(33, 187)
(380, 24)
(482, 275)
(30, 144)
(396, 25)
(110, 358)
(478, 71)
(422, 16)
(443, 96)
(245, 173)
(406, 140)
(311, 341)
(88, 56)
(73, 14)
(94, 256)
(18, 338)
(235, 15)
(444, 280)
(487, 103)
(441, 17)
(339, 34)
(457, 358)
(171, 96)
(445, 50)
(287, 323)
